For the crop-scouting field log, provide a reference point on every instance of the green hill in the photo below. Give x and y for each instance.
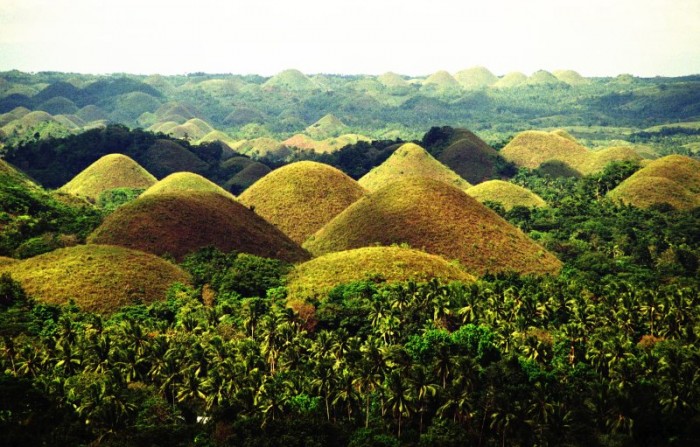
(571, 77)
(475, 78)
(326, 127)
(247, 176)
(100, 278)
(302, 197)
(165, 157)
(393, 80)
(180, 223)
(315, 278)
(438, 218)
(542, 77)
(407, 161)
(512, 79)
(507, 194)
(292, 80)
(470, 157)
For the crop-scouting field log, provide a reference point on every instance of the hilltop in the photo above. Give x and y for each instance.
(674, 179)
(507, 194)
(315, 278)
(292, 80)
(100, 278)
(475, 78)
(470, 157)
(326, 127)
(184, 182)
(165, 157)
(438, 218)
(407, 161)
(302, 197)
(109, 172)
(532, 148)
(180, 223)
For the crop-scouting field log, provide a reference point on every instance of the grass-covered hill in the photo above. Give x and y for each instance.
(165, 157)
(302, 197)
(109, 172)
(326, 127)
(512, 79)
(177, 224)
(407, 161)
(315, 278)
(674, 180)
(100, 278)
(476, 78)
(185, 182)
(439, 218)
(507, 194)
(291, 79)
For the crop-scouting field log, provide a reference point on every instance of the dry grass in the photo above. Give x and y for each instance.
(109, 172)
(410, 160)
(185, 182)
(512, 79)
(442, 80)
(302, 197)
(326, 127)
(100, 278)
(314, 279)
(571, 77)
(532, 148)
(183, 222)
(475, 78)
(597, 160)
(247, 176)
(508, 194)
(300, 141)
(165, 157)
(438, 218)
(470, 157)
(542, 77)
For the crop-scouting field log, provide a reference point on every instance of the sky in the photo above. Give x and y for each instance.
(594, 37)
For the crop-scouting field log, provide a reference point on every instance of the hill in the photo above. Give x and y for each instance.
(571, 77)
(393, 80)
(292, 79)
(512, 79)
(180, 223)
(407, 161)
(250, 174)
(326, 127)
(100, 278)
(471, 158)
(438, 218)
(165, 157)
(185, 182)
(507, 194)
(302, 197)
(597, 160)
(315, 278)
(109, 172)
(441, 82)
(475, 78)
(532, 148)
(542, 77)
(674, 179)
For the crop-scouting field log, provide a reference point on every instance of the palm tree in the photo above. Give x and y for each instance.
(399, 397)
(423, 389)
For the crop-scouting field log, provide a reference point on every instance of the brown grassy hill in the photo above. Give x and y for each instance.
(193, 129)
(217, 135)
(292, 79)
(571, 77)
(300, 141)
(674, 179)
(247, 176)
(184, 111)
(315, 278)
(556, 168)
(185, 182)
(261, 147)
(532, 148)
(542, 77)
(512, 79)
(14, 114)
(180, 223)
(438, 218)
(165, 157)
(109, 172)
(563, 133)
(407, 161)
(302, 197)
(442, 79)
(597, 160)
(475, 78)
(470, 157)
(101, 278)
(508, 194)
(326, 127)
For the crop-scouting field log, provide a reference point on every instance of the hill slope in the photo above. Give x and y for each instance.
(471, 158)
(508, 194)
(183, 182)
(302, 197)
(438, 218)
(532, 148)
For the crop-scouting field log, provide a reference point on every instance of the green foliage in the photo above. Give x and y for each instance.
(112, 199)
(11, 292)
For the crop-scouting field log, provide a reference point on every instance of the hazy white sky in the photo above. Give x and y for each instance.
(594, 37)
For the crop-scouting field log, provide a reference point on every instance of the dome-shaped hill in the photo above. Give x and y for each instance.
(441, 79)
(557, 168)
(59, 105)
(262, 147)
(475, 78)
(193, 129)
(14, 114)
(301, 141)
(217, 135)
(407, 161)
(185, 182)
(302, 197)
(250, 174)
(315, 278)
(542, 77)
(293, 80)
(597, 160)
(439, 219)
(91, 113)
(35, 118)
(564, 134)
(328, 126)
(471, 158)
(165, 157)
(181, 223)
(674, 179)
(512, 79)
(99, 278)
(176, 109)
(109, 172)
(507, 194)
(532, 148)
(243, 115)
(392, 80)
(571, 77)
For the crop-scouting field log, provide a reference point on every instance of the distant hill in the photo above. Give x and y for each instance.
(532, 148)
(99, 278)
(571, 77)
(542, 77)
(407, 161)
(507, 194)
(512, 79)
(328, 126)
(180, 223)
(315, 278)
(292, 79)
(441, 82)
(475, 78)
(302, 197)
(438, 218)
(470, 157)
(109, 172)
(165, 157)
(185, 182)
(674, 179)
(247, 176)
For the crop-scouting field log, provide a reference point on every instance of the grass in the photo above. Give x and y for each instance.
(532, 148)
(571, 77)
(302, 197)
(392, 80)
(185, 182)
(247, 176)
(674, 179)
(542, 77)
(291, 79)
(433, 216)
(597, 160)
(99, 278)
(165, 157)
(442, 80)
(510, 80)
(109, 172)
(260, 147)
(326, 127)
(475, 78)
(410, 160)
(470, 157)
(300, 141)
(180, 223)
(315, 278)
(508, 194)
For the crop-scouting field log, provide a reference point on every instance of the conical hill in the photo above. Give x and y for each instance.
(475, 78)
(507, 194)
(183, 182)
(407, 161)
(471, 158)
(436, 217)
(180, 223)
(532, 148)
(109, 172)
(302, 197)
